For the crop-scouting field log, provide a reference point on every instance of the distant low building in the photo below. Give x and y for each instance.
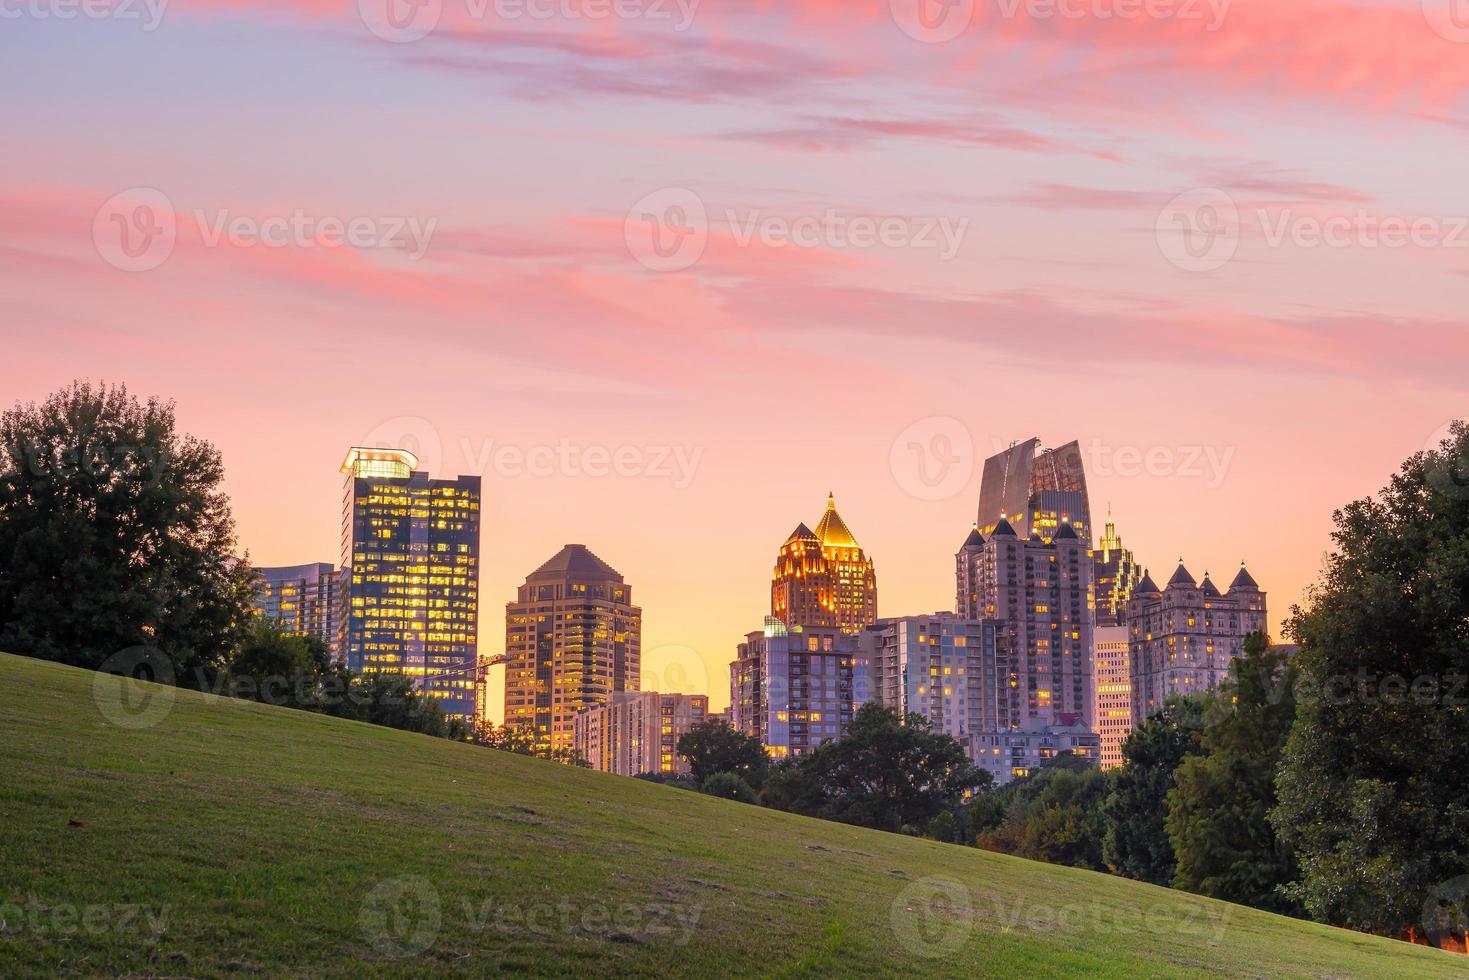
(794, 689)
(637, 732)
(1008, 755)
(302, 600)
(1182, 638)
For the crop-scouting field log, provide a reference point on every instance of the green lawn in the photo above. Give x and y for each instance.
(232, 837)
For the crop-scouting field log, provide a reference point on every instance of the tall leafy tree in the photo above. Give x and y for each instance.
(115, 533)
(1136, 843)
(712, 747)
(888, 772)
(1218, 810)
(1053, 814)
(1372, 790)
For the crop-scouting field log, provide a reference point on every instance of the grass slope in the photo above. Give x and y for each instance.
(233, 837)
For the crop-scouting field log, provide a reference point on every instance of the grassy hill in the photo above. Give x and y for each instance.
(233, 837)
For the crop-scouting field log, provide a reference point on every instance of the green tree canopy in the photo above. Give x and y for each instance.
(115, 534)
(1372, 790)
(1218, 810)
(1136, 843)
(1053, 814)
(713, 747)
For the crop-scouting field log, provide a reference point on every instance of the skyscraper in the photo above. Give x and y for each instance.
(1116, 575)
(795, 688)
(302, 600)
(638, 731)
(1181, 639)
(823, 579)
(1035, 490)
(573, 639)
(410, 558)
(1111, 691)
(1043, 591)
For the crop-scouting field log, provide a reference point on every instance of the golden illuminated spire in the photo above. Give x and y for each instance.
(833, 530)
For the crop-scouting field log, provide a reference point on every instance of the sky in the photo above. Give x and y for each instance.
(666, 274)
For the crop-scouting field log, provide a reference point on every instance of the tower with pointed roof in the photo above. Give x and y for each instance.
(823, 578)
(1183, 637)
(1115, 575)
(574, 639)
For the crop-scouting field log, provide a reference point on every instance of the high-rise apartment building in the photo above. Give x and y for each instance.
(1042, 589)
(1035, 491)
(410, 563)
(953, 671)
(1116, 574)
(638, 731)
(823, 579)
(796, 688)
(302, 600)
(573, 639)
(1112, 691)
(1181, 639)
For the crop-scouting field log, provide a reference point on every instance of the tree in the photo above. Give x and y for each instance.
(1218, 809)
(521, 740)
(275, 668)
(728, 786)
(116, 534)
(1136, 843)
(1372, 791)
(713, 747)
(1054, 814)
(888, 772)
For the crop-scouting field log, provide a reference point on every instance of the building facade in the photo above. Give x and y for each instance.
(1011, 754)
(1035, 490)
(1115, 574)
(638, 732)
(951, 670)
(823, 579)
(573, 639)
(410, 564)
(1112, 691)
(1182, 639)
(302, 600)
(1042, 590)
(795, 688)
